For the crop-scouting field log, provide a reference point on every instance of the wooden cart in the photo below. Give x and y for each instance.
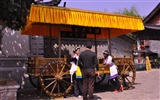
(126, 71)
(52, 74)
(53, 77)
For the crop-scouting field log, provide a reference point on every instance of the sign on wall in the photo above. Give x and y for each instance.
(80, 32)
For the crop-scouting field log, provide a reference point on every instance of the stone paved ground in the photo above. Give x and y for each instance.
(146, 87)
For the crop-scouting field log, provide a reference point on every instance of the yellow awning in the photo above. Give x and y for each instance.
(41, 17)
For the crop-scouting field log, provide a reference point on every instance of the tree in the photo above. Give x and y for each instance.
(130, 12)
(13, 13)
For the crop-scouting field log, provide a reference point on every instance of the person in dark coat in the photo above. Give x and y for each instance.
(89, 64)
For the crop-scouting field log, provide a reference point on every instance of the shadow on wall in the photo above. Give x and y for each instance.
(15, 69)
(68, 45)
(14, 44)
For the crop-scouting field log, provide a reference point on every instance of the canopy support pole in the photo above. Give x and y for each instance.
(95, 42)
(50, 38)
(109, 41)
(59, 41)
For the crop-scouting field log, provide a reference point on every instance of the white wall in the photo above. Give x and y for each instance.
(155, 46)
(14, 44)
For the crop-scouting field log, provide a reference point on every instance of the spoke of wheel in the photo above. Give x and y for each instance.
(66, 82)
(62, 69)
(50, 84)
(53, 70)
(64, 73)
(128, 79)
(127, 68)
(121, 80)
(49, 79)
(63, 87)
(58, 88)
(129, 76)
(66, 77)
(130, 68)
(124, 81)
(53, 87)
(123, 69)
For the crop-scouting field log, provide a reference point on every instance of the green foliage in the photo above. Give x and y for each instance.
(130, 12)
(13, 13)
(131, 36)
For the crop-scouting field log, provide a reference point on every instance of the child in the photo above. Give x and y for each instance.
(113, 71)
(76, 52)
(76, 73)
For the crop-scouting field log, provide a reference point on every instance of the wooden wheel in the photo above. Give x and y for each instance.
(127, 74)
(34, 80)
(99, 79)
(55, 79)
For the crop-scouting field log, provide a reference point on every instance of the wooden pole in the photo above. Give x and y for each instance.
(59, 37)
(59, 41)
(50, 38)
(109, 41)
(95, 41)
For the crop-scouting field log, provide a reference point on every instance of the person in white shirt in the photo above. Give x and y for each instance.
(76, 73)
(113, 78)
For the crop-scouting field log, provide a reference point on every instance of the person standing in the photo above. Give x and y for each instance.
(113, 78)
(89, 64)
(76, 53)
(77, 78)
(76, 73)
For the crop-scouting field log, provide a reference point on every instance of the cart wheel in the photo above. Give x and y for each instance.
(34, 80)
(99, 79)
(55, 79)
(127, 75)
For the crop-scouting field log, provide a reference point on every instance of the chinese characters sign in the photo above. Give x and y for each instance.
(80, 32)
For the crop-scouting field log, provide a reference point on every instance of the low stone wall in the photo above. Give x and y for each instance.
(15, 69)
(8, 90)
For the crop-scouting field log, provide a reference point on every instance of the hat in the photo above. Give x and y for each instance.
(74, 51)
(88, 44)
(105, 52)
